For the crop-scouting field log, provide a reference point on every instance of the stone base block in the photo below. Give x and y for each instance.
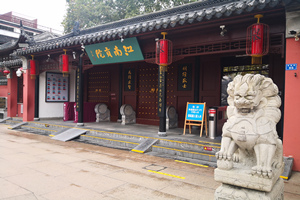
(229, 192)
(128, 119)
(242, 176)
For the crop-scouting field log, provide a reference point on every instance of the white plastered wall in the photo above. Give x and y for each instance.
(49, 109)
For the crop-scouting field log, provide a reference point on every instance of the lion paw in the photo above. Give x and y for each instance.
(265, 172)
(223, 155)
(236, 157)
(219, 155)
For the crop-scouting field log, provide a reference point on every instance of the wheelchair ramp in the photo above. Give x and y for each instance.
(16, 126)
(69, 134)
(144, 146)
(288, 165)
(4, 120)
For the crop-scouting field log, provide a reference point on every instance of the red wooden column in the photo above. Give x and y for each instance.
(12, 88)
(291, 137)
(28, 96)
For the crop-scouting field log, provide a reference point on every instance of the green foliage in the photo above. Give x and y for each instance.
(90, 13)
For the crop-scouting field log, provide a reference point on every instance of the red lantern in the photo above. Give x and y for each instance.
(64, 63)
(257, 44)
(6, 72)
(164, 51)
(32, 65)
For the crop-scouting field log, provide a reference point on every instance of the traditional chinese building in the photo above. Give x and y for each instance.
(115, 63)
(16, 32)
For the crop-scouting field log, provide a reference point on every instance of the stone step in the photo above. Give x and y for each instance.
(112, 142)
(205, 157)
(48, 131)
(19, 119)
(12, 121)
(208, 156)
(182, 152)
(191, 161)
(48, 125)
(201, 146)
(192, 144)
(37, 127)
(127, 144)
(203, 151)
(204, 147)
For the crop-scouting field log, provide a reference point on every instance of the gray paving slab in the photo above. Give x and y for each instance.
(9, 190)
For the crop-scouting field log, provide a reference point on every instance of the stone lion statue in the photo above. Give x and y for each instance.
(249, 136)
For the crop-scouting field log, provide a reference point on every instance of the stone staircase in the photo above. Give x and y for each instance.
(190, 150)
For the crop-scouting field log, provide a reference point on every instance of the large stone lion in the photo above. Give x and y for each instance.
(249, 136)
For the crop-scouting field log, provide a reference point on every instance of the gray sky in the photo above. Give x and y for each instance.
(49, 13)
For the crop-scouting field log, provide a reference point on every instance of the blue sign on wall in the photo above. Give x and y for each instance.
(195, 112)
(291, 66)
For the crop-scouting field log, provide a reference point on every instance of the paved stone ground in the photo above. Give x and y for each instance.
(36, 167)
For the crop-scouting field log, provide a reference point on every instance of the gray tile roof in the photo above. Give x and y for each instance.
(9, 47)
(13, 44)
(158, 21)
(11, 63)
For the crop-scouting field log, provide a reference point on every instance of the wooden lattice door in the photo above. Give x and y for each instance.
(147, 93)
(99, 86)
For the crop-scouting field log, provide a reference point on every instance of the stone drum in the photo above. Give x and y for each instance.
(102, 113)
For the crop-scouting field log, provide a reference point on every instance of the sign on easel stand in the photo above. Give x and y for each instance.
(195, 116)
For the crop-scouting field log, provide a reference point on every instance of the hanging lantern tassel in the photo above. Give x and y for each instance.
(257, 44)
(164, 51)
(64, 62)
(32, 67)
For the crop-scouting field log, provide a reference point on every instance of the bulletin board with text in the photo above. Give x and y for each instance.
(57, 87)
(195, 116)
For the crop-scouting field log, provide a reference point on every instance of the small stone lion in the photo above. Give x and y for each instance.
(249, 135)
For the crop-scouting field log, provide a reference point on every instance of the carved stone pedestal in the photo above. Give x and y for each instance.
(229, 192)
(241, 175)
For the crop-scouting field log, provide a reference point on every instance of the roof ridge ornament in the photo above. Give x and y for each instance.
(76, 29)
(21, 27)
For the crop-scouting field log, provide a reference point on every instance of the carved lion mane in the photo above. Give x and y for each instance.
(259, 92)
